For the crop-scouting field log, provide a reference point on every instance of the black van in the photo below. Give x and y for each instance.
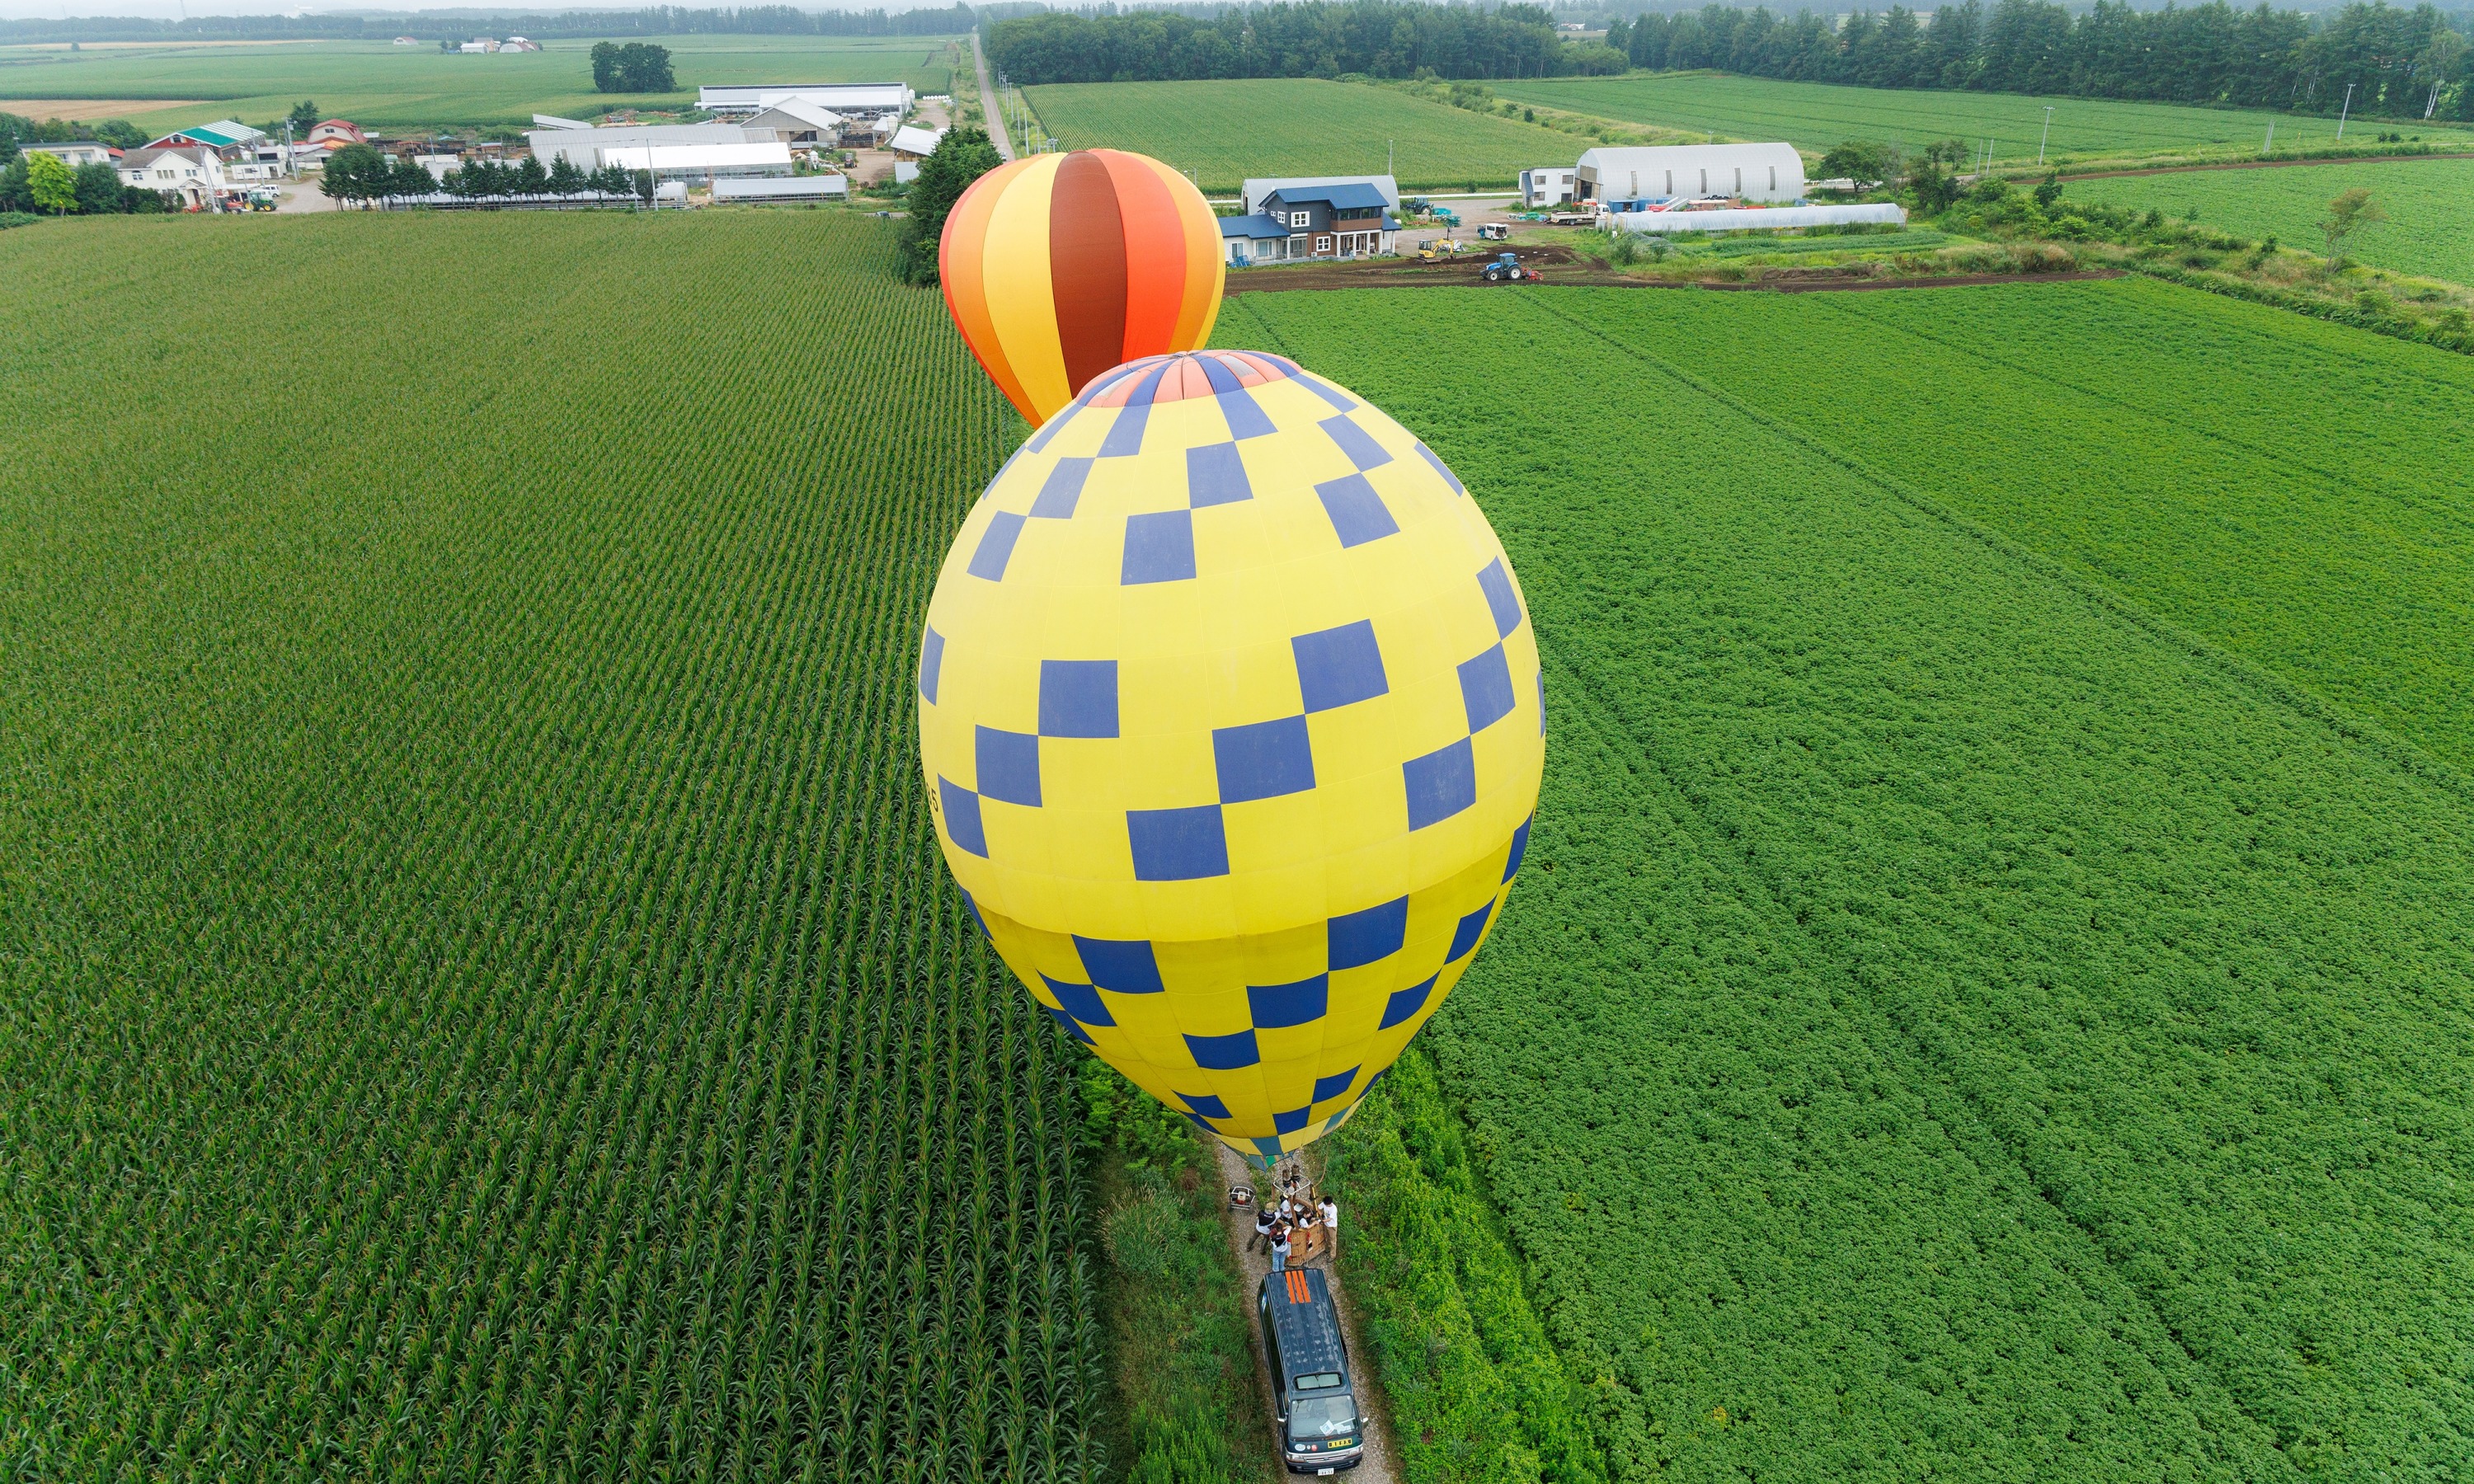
(1320, 1431)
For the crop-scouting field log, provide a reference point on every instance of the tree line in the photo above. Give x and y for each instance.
(1388, 38)
(458, 25)
(35, 181)
(2401, 63)
(359, 172)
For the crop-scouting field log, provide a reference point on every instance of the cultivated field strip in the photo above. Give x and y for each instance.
(2277, 485)
(481, 998)
(2424, 199)
(1957, 1029)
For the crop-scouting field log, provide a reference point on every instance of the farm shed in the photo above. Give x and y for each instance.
(794, 121)
(588, 150)
(1669, 223)
(840, 97)
(797, 188)
(915, 143)
(703, 161)
(1753, 172)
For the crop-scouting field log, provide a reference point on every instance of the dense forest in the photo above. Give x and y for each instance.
(2401, 63)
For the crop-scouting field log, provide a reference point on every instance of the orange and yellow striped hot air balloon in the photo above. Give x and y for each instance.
(1059, 267)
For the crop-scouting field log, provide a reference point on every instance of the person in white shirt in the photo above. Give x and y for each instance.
(1331, 1226)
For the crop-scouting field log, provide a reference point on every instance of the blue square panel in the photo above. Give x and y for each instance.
(1449, 478)
(1464, 936)
(1519, 849)
(1328, 1087)
(1208, 1104)
(961, 810)
(1356, 442)
(1159, 548)
(1071, 1026)
(1339, 399)
(1179, 845)
(1358, 939)
(931, 664)
(1358, 514)
(1291, 1122)
(1080, 1001)
(1486, 690)
(1063, 490)
(1402, 1006)
(1500, 600)
(1078, 698)
(1223, 1053)
(1339, 667)
(996, 546)
(1263, 761)
(1441, 784)
(1204, 1124)
(1214, 475)
(1120, 965)
(1276, 1006)
(1008, 764)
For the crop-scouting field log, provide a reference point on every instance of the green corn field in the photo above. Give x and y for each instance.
(478, 996)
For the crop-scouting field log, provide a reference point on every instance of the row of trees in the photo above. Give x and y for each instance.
(632, 67)
(1390, 38)
(458, 25)
(358, 173)
(47, 184)
(2400, 63)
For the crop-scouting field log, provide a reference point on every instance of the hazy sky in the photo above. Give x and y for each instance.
(172, 10)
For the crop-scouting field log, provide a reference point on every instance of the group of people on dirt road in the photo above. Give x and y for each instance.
(1300, 1222)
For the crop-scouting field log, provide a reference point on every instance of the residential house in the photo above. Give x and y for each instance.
(1329, 219)
(77, 151)
(192, 171)
(342, 130)
(245, 154)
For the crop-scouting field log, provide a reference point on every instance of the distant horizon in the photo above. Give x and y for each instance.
(204, 10)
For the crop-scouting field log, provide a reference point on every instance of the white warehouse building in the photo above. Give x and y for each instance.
(1752, 172)
(671, 151)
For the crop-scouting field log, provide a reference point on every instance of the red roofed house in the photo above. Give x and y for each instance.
(342, 130)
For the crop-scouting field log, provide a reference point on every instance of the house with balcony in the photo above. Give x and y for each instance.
(1327, 218)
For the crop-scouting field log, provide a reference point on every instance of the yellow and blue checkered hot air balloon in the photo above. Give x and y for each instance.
(1232, 720)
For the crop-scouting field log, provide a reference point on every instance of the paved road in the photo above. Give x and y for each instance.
(988, 101)
(1379, 1467)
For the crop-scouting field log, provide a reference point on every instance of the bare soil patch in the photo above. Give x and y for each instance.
(84, 109)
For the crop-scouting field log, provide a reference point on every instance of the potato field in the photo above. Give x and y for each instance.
(1976, 1008)
(478, 996)
(2424, 199)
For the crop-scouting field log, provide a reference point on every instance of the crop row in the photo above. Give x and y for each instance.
(481, 996)
(1955, 1026)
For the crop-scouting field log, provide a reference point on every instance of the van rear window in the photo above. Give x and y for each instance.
(1320, 1380)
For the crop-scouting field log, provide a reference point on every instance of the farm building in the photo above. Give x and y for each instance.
(794, 121)
(797, 188)
(846, 98)
(1547, 187)
(670, 151)
(1341, 219)
(246, 153)
(1255, 190)
(1751, 172)
(914, 143)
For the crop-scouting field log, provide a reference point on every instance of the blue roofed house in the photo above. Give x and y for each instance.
(1329, 217)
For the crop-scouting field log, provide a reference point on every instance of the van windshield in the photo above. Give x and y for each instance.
(1322, 1416)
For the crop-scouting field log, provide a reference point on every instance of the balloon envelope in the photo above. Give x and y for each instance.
(1059, 267)
(1232, 724)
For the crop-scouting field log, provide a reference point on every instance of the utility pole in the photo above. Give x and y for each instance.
(2347, 110)
(2047, 134)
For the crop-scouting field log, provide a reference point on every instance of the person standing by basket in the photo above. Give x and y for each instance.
(1279, 1246)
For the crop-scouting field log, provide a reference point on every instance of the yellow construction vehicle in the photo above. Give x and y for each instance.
(1440, 247)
